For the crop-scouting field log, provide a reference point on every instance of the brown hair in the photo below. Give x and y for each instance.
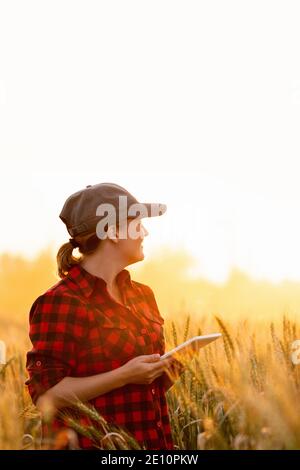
(65, 259)
(86, 244)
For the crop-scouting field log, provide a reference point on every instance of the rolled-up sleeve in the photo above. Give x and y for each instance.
(57, 326)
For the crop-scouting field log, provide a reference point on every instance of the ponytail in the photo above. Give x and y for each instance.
(65, 259)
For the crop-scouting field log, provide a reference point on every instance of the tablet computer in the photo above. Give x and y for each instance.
(191, 346)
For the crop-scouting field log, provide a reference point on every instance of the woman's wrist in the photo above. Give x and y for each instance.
(123, 378)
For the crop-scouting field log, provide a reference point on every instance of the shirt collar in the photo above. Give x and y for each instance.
(87, 282)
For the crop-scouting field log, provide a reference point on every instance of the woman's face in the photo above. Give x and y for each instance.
(131, 241)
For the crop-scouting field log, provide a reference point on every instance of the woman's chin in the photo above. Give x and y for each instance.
(138, 257)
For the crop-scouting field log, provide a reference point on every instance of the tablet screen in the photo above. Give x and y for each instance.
(192, 345)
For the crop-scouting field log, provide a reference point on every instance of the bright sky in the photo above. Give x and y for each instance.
(193, 104)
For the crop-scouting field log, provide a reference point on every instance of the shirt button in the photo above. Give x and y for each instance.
(153, 391)
(144, 331)
(158, 424)
(38, 363)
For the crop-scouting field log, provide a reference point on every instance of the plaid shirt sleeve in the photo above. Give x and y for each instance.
(177, 368)
(57, 324)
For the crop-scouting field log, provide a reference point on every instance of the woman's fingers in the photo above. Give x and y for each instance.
(162, 364)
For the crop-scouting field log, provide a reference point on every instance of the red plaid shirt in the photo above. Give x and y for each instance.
(77, 329)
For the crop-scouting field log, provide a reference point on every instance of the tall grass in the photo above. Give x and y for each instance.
(240, 392)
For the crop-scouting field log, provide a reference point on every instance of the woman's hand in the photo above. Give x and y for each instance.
(145, 369)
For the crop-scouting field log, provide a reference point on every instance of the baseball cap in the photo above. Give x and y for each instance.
(84, 209)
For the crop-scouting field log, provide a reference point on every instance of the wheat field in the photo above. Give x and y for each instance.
(240, 392)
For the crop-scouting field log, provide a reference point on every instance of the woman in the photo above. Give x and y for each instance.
(97, 335)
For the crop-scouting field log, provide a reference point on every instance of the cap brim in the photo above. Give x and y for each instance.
(155, 209)
(146, 209)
